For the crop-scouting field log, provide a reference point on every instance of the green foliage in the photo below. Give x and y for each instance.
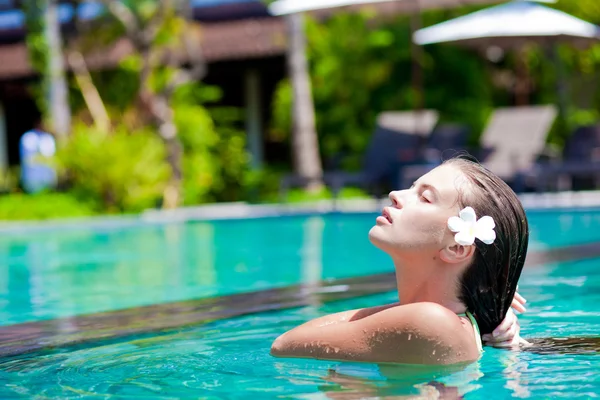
(576, 68)
(118, 87)
(15, 207)
(361, 67)
(281, 120)
(215, 157)
(9, 180)
(119, 170)
(262, 186)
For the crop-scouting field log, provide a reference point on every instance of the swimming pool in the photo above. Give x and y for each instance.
(51, 277)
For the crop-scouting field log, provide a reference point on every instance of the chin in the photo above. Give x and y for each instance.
(377, 237)
(381, 239)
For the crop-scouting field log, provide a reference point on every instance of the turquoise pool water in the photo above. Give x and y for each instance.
(58, 273)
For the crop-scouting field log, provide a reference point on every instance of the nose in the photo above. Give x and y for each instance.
(396, 198)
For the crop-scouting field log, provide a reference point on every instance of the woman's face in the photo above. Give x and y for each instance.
(417, 218)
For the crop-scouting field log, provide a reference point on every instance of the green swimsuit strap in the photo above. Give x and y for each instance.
(475, 329)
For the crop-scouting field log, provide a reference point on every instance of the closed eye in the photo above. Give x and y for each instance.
(426, 196)
(424, 189)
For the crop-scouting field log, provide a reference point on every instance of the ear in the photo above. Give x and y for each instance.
(455, 253)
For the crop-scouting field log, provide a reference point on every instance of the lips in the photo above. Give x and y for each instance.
(386, 215)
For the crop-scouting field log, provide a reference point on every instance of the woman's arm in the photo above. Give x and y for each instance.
(421, 333)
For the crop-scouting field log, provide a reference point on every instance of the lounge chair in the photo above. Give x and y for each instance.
(398, 141)
(580, 164)
(514, 138)
(511, 143)
(446, 141)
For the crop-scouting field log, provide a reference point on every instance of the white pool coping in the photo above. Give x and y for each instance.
(533, 202)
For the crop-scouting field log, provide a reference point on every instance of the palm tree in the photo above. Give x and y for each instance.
(58, 93)
(305, 144)
(46, 54)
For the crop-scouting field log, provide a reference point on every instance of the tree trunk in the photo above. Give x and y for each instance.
(416, 60)
(164, 120)
(58, 95)
(89, 91)
(172, 195)
(305, 145)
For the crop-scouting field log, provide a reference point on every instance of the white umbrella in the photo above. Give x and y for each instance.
(284, 7)
(510, 25)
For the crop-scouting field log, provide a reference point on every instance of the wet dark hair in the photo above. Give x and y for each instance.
(488, 285)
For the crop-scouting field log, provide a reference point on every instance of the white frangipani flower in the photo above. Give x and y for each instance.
(467, 228)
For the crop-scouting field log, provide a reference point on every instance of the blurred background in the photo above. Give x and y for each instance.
(119, 106)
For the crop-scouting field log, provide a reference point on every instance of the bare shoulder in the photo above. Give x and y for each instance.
(432, 332)
(429, 316)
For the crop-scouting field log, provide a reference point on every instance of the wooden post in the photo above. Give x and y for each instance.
(3, 140)
(254, 128)
(522, 79)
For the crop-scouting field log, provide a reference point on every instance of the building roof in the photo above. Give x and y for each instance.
(231, 29)
(231, 40)
(12, 17)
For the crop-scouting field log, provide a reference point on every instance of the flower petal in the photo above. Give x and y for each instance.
(487, 236)
(486, 223)
(467, 214)
(465, 237)
(456, 224)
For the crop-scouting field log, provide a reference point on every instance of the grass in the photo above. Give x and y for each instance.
(45, 206)
(19, 207)
(301, 195)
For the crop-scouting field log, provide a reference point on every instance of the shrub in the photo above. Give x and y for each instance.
(121, 171)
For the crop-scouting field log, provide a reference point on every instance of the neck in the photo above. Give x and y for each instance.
(420, 281)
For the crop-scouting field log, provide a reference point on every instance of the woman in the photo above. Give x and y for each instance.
(456, 276)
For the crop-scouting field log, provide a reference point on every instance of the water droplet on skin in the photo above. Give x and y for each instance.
(433, 352)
